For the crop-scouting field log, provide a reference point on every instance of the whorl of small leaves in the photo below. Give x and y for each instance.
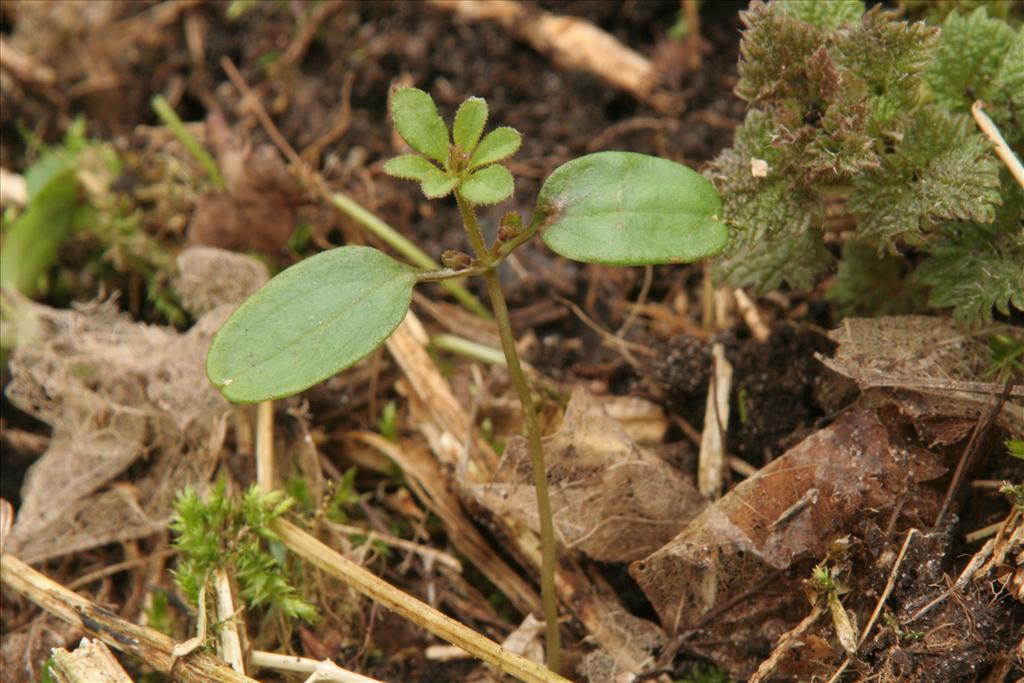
(227, 533)
(469, 165)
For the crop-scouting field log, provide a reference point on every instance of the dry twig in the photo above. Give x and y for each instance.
(571, 42)
(91, 662)
(151, 646)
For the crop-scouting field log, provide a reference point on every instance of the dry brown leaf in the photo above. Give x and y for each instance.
(257, 209)
(115, 393)
(612, 500)
(931, 368)
(789, 510)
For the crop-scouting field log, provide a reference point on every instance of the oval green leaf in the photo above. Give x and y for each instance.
(627, 209)
(469, 123)
(310, 322)
(419, 124)
(436, 183)
(488, 185)
(409, 167)
(499, 144)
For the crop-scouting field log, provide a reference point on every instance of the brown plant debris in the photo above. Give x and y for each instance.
(612, 500)
(116, 394)
(841, 476)
(928, 365)
(256, 210)
(201, 283)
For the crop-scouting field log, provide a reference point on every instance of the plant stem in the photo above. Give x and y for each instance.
(540, 479)
(171, 120)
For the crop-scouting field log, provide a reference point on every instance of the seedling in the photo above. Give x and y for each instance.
(325, 313)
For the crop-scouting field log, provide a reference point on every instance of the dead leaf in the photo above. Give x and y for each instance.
(769, 521)
(116, 393)
(256, 211)
(612, 500)
(928, 366)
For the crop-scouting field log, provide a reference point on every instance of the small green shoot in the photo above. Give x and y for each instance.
(345, 496)
(1015, 447)
(226, 532)
(157, 616)
(742, 399)
(54, 210)
(388, 423)
(706, 674)
(329, 311)
(904, 636)
(1007, 357)
(171, 120)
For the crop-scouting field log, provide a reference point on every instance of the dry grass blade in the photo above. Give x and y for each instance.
(441, 625)
(148, 645)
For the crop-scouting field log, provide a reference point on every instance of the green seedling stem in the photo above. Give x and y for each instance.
(177, 126)
(549, 598)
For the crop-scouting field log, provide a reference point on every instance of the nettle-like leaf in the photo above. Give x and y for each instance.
(419, 124)
(1009, 84)
(970, 56)
(972, 278)
(870, 284)
(889, 57)
(764, 266)
(470, 120)
(825, 15)
(499, 144)
(974, 267)
(773, 53)
(489, 185)
(757, 207)
(941, 170)
(309, 322)
(626, 209)
(828, 138)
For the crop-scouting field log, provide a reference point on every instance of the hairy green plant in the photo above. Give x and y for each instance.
(328, 311)
(861, 110)
(225, 532)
